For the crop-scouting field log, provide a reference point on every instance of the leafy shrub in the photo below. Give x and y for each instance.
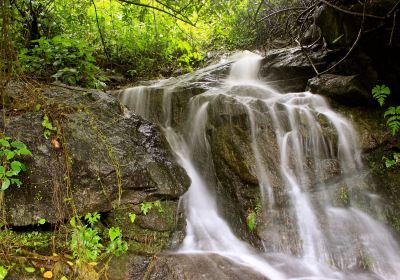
(86, 243)
(68, 60)
(10, 168)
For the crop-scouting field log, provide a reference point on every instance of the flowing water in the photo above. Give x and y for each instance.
(301, 152)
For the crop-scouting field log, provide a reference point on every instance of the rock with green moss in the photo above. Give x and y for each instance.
(97, 158)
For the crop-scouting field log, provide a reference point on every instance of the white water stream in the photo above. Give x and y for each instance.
(332, 240)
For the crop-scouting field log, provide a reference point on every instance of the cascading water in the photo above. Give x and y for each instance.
(296, 143)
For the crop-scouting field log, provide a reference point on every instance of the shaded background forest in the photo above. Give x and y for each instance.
(86, 42)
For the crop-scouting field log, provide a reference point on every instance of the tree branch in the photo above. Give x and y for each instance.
(280, 11)
(350, 12)
(158, 9)
(103, 42)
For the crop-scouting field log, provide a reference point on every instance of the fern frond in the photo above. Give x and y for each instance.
(394, 126)
(380, 93)
(391, 111)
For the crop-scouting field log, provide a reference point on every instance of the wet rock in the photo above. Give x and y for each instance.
(198, 266)
(347, 90)
(105, 157)
(288, 70)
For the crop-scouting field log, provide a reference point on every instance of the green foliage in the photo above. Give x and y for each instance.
(92, 218)
(116, 246)
(10, 168)
(393, 121)
(41, 221)
(48, 127)
(344, 195)
(252, 216)
(74, 38)
(380, 93)
(15, 241)
(393, 161)
(85, 243)
(68, 60)
(132, 217)
(29, 269)
(145, 207)
(251, 220)
(3, 272)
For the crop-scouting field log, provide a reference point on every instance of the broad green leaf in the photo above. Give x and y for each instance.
(30, 269)
(16, 166)
(114, 232)
(25, 152)
(9, 154)
(2, 169)
(3, 272)
(18, 144)
(5, 184)
(23, 167)
(11, 173)
(4, 143)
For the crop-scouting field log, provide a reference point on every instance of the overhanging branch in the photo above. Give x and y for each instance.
(185, 20)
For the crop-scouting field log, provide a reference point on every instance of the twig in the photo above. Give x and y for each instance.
(393, 27)
(351, 49)
(280, 11)
(308, 57)
(350, 12)
(392, 10)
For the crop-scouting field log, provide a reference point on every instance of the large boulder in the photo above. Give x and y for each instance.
(288, 70)
(348, 90)
(97, 159)
(198, 266)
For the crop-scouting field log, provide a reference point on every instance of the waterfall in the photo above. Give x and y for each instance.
(297, 145)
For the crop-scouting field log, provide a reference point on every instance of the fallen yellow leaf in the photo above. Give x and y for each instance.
(48, 274)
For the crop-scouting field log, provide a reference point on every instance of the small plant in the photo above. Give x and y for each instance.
(11, 168)
(145, 207)
(380, 93)
(116, 246)
(252, 216)
(85, 242)
(41, 221)
(251, 220)
(92, 219)
(391, 162)
(132, 217)
(344, 195)
(393, 121)
(48, 127)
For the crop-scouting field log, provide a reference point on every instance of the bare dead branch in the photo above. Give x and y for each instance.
(280, 11)
(350, 12)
